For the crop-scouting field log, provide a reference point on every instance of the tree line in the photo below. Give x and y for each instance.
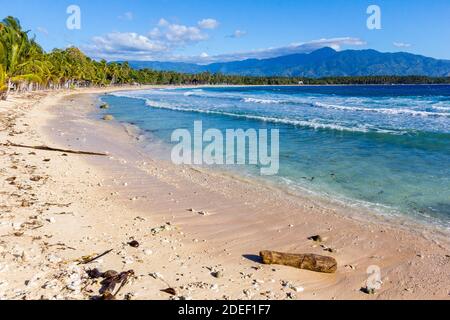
(25, 66)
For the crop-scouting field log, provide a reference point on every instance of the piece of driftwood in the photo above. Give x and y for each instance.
(311, 262)
(46, 148)
(87, 260)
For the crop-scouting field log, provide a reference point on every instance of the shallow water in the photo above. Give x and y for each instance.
(386, 147)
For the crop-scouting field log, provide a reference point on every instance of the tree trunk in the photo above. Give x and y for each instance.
(309, 262)
(8, 90)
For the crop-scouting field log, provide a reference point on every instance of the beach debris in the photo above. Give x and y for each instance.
(290, 296)
(94, 273)
(54, 259)
(328, 249)
(217, 274)
(92, 258)
(368, 290)
(25, 203)
(155, 231)
(316, 238)
(65, 213)
(247, 293)
(48, 204)
(51, 220)
(170, 291)
(128, 260)
(298, 289)
(111, 279)
(156, 275)
(202, 213)
(287, 284)
(311, 262)
(46, 148)
(108, 117)
(134, 244)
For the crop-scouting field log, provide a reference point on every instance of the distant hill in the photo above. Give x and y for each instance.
(324, 62)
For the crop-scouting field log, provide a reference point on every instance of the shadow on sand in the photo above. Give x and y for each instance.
(253, 258)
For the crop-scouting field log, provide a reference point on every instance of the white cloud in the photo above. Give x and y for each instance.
(208, 24)
(177, 34)
(126, 45)
(128, 41)
(159, 43)
(163, 22)
(401, 45)
(238, 34)
(164, 40)
(304, 47)
(127, 16)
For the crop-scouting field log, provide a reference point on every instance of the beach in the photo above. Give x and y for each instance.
(199, 231)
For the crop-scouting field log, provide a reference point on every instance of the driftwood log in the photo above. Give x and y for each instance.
(46, 148)
(311, 262)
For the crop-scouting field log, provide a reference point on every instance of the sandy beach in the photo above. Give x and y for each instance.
(199, 231)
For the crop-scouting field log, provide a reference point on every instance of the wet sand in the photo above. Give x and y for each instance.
(62, 207)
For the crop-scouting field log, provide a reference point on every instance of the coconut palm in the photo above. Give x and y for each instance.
(21, 57)
(3, 84)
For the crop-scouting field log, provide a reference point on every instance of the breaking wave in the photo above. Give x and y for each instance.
(314, 124)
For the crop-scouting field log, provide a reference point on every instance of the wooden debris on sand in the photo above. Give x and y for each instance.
(89, 259)
(46, 148)
(311, 262)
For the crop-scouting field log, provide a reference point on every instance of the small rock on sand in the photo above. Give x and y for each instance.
(134, 244)
(217, 274)
(316, 238)
(51, 220)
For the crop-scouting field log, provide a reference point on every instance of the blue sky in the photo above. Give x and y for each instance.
(215, 30)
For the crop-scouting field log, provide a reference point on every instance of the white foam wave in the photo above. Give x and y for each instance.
(197, 92)
(314, 124)
(440, 108)
(262, 101)
(393, 111)
(388, 111)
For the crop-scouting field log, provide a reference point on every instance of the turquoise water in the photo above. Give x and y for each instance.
(385, 147)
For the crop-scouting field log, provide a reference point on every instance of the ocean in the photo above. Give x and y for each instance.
(386, 148)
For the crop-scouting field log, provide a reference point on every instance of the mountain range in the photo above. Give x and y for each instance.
(324, 62)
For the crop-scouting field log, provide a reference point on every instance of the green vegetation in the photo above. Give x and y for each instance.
(25, 66)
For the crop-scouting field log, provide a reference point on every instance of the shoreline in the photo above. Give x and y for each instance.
(243, 220)
(347, 207)
(360, 209)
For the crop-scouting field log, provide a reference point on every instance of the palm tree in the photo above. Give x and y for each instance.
(3, 84)
(20, 57)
